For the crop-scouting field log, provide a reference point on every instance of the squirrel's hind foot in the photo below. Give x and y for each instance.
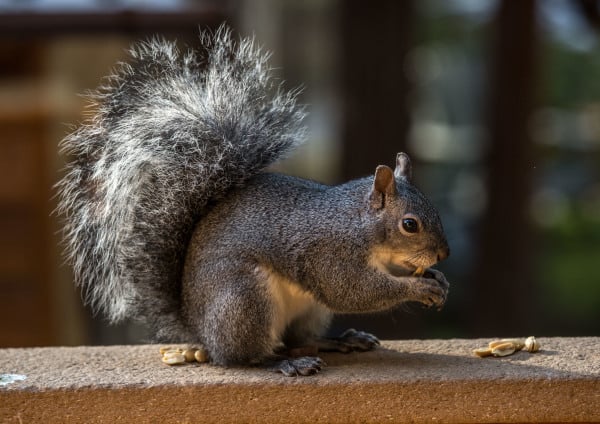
(293, 367)
(350, 340)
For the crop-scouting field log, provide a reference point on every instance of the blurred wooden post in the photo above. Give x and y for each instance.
(375, 38)
(503, 279)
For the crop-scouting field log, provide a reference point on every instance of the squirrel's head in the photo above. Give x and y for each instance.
(412, 235)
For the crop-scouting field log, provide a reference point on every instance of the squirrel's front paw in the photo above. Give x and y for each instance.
(433, 288)
(438, 276)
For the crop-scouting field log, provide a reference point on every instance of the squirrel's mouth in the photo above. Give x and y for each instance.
(405, 269)
(399, 264)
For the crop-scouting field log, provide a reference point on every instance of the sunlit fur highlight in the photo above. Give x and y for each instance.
(171, 132)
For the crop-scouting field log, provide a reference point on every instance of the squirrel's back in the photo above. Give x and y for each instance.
(173, 132)
(272, 212)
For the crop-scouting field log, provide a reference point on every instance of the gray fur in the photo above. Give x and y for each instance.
(318, 237)
(171, 220)
(172, 132)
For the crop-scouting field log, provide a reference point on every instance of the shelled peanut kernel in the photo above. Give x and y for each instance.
(177, 356)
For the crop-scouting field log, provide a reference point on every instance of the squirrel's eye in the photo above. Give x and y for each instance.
(410, 225)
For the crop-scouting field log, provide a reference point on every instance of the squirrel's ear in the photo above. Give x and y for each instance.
(403, 167)
(384, 185)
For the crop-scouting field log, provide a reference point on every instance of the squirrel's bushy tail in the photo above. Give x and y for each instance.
(170, 133)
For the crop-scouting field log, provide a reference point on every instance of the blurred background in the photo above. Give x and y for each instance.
(497, 102)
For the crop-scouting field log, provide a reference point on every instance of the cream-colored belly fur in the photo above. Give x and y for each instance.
(289, 301)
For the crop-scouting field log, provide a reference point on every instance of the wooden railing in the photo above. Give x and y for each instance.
(402, 381)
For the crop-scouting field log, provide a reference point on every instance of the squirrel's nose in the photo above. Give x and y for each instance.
(443, 253)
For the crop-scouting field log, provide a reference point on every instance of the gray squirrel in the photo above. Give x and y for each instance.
(171, 219)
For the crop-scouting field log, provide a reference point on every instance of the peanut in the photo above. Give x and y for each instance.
(419, 272)
(531, 344)
(201, 355)
(189, 355)
(173, 358)
(176, 355)
(164, 349)
(518, 343)
(504, 349)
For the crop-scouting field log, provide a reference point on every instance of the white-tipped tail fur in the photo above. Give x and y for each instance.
(172, 131)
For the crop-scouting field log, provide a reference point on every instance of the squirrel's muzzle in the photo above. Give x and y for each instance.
(443, 253)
